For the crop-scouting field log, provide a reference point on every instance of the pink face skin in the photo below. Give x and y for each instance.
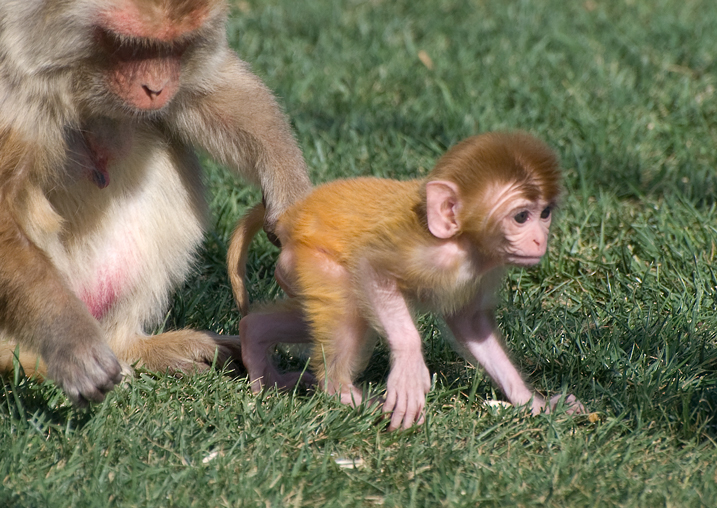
(145, 81)
(145, 50)
(526, 228)
(525, 225)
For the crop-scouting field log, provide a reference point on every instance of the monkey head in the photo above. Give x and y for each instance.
(497, 191)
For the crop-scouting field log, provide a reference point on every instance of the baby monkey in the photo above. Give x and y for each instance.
(358, 256)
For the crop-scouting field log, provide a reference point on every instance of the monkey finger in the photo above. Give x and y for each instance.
(571, 403)
(396, 419)
(398, 414)
(414, 413)
(421, 417)
(108, 385)
(390, 402)
(82, 395)
(574, 406)
(93, 395)
(408, 421)
(538, 405)
(107, 370)
(78, 401)
(74, 395)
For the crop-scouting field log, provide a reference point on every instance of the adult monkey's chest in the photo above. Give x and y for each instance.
(94, 148)
(120, 184)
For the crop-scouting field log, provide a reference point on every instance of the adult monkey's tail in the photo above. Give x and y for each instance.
(247, 227)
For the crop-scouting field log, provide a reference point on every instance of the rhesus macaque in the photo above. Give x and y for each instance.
(102, 206)
(359, 255)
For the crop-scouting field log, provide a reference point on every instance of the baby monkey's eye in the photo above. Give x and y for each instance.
(545, 213)
(521, 217)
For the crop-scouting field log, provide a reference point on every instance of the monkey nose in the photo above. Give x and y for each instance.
(152, 92)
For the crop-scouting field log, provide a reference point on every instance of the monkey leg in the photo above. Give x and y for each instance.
(342, 347)
(179, 351)
(176, 351)
(342, 340)
(263, 329)
(337, 330)
(31, 363)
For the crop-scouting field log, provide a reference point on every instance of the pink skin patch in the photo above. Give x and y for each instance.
(152, 21)
(102, 296)
(146, 75)
(114, 273)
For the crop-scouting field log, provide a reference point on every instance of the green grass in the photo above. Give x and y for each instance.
(622, 313)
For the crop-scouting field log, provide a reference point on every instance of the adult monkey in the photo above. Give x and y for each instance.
(101, 200)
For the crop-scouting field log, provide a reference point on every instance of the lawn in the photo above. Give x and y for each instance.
(622, 312)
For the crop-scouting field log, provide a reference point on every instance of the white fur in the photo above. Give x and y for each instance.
(145, 226)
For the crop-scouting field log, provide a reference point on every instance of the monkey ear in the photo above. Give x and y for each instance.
(442, 204)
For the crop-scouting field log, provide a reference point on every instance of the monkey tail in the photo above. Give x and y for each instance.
(238, 251)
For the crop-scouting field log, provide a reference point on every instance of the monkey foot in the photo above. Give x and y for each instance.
(185, 351)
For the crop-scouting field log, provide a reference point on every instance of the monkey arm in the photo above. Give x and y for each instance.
(409, 380)
(475, 330)
(40, 311)
(237, 120)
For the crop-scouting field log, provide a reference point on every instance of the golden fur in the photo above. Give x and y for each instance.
(358, 255)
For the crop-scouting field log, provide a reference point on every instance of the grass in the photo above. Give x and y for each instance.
(622, 313)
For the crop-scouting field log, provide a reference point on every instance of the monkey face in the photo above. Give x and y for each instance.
(525, 229)
(144, 76)
(143, 48)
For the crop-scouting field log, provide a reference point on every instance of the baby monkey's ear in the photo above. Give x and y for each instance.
(442, 205)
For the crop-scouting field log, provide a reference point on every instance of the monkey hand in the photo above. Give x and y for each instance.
(572, 404)
(407, 386)
(84, 367)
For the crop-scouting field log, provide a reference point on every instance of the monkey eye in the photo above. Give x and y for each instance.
(545, 213)
(521, 217)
